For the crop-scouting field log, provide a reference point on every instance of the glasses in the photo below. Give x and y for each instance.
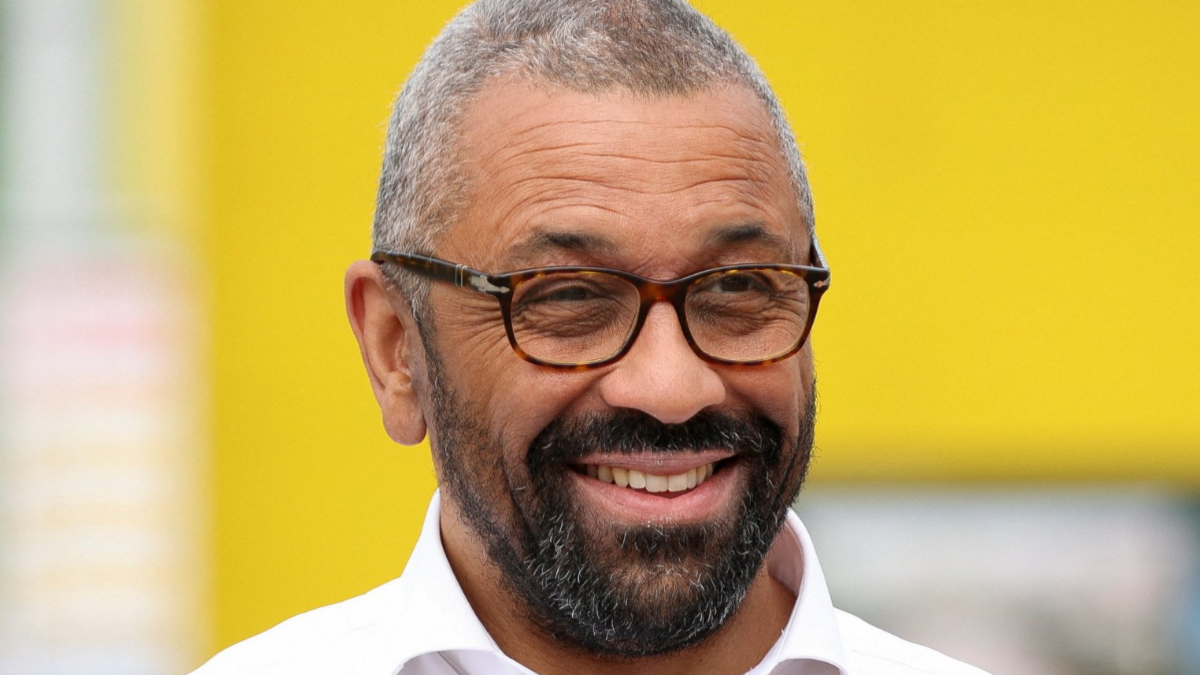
(586, 317)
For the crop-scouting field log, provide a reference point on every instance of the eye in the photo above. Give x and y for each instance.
(732, 283)
(562, 291)
(737, 283)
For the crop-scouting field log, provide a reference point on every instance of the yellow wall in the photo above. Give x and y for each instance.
(1006, 191)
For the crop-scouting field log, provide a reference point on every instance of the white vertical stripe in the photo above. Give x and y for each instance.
(54, 114)
(100, 436)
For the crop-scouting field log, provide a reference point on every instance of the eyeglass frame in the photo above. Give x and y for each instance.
(650, 291)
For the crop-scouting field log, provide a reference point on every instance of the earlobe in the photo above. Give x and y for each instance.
(390, 348)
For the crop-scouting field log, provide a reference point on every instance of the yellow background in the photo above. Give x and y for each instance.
(1006, 193)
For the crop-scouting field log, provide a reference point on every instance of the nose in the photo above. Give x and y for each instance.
(661, 375)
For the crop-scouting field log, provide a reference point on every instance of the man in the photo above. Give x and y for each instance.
(620, 425)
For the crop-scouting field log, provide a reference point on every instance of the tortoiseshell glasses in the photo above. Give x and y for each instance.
(586, 317)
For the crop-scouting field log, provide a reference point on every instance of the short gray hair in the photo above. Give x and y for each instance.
(647, 47)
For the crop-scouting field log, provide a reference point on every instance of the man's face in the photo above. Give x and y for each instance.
(661, 188)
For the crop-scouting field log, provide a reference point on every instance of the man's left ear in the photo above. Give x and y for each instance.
(389, 343)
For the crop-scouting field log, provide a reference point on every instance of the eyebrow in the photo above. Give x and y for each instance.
(748, 233)
(584, 243)
(593, 245)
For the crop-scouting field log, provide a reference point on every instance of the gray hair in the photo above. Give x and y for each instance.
(647, 47)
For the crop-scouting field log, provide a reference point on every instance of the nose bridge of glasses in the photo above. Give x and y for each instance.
(674, 292)
(670, 291)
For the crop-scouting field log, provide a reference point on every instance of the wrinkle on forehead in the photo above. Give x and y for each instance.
(601, 139)
(534, 158)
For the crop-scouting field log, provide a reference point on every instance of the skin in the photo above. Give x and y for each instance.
(660, 187)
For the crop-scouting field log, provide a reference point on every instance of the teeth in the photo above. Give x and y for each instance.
(677, 483)
(656, 483)
(650, 482)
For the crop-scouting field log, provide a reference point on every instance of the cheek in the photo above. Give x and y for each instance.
(780, 390)
(473, 344)
(512, 399)
(480, 352)
(530, 399)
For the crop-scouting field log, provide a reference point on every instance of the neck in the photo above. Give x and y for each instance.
(737, 647)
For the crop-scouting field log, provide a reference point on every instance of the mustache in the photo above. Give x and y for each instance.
(632, 432)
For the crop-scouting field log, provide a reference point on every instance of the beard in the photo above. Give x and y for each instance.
(612, 589)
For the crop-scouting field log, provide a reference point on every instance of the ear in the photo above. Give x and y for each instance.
(389, 344)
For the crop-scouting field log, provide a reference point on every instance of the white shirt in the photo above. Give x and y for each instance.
(422, 624)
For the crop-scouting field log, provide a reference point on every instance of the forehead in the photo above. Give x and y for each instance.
(567, 177)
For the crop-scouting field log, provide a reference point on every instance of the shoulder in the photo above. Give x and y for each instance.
(344, 638)
(872, 651)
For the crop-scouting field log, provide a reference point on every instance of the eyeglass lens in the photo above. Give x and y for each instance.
(583, 317)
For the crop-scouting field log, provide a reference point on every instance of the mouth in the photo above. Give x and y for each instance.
(650, 481)
(677, 487)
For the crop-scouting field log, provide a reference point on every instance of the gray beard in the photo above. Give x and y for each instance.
(605, 589)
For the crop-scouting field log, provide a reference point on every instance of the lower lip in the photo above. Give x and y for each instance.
(703, 502)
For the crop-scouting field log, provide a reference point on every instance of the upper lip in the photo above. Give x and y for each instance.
(665, 464)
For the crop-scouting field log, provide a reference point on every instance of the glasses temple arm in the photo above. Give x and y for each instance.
(818, 255)
(442, 270)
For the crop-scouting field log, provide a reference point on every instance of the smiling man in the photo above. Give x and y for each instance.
(594, 276)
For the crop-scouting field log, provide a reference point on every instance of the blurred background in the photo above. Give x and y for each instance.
(1008, 437)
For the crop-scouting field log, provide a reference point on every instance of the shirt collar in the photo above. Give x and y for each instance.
(436, 616)
(812, 631)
